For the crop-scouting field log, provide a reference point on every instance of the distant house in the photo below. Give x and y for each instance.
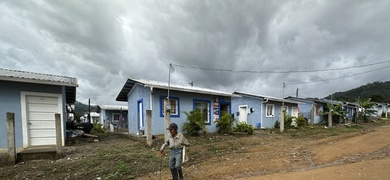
(114, 114)
(311, 108)
(142, 95)
(35, 98)
(94, 117)
(261, 111)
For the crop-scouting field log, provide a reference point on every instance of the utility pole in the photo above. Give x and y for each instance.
(89, 110)
(296, 94)
(282, 112)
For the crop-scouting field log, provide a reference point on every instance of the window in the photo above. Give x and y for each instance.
(204, 107)
(270, 110)
(174, 103)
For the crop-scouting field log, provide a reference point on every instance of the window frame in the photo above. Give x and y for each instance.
(194, 101)
(273, 110)
(177, 99)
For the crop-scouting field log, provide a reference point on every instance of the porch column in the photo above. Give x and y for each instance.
(149, 138)
(58, 134)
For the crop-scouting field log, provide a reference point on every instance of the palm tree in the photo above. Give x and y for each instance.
(366, 108)
(333, 110)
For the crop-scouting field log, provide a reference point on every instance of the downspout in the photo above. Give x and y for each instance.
(261, 115)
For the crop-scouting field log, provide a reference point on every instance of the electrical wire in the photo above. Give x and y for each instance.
(277, 72)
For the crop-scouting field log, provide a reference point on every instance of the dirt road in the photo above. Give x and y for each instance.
(362, 155)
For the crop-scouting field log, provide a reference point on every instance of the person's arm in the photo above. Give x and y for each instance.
(185, 141)
(164, 145)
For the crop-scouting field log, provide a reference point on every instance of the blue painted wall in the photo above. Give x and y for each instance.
(186, 101)
(10, 101)
(255, 103)
(259, 114)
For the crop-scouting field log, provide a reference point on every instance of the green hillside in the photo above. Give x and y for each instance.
(377, 91)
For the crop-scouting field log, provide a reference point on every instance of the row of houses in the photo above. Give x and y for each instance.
(34, 98)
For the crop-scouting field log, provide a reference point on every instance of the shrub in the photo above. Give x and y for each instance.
(98, 128)
(301, 121)
(277, 124)
(195, 122)
(244, 127)
(224, 123)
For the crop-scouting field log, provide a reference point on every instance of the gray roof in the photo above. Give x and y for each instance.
(267, 97)
(130, 83)
(113, 107)
(38, 78)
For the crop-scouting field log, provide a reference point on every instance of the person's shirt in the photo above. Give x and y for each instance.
(176, 142)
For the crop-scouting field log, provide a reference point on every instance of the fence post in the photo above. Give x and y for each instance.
(58, 134)
(11, 138)
(149, 138)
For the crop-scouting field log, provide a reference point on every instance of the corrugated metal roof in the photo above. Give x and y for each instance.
(39, 78)
(267, 97)
(164, 85)
(113, 107)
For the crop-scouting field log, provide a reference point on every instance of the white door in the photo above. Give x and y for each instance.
(41, 120)
(294, 111)
(243, 116)
(38, 118)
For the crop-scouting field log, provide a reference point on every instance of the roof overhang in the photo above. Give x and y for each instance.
(131, 83)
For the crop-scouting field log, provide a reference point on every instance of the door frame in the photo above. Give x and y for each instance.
(23, 103)
(140, 114)
(246, 113)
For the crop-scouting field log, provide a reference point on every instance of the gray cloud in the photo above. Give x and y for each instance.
(101, 43)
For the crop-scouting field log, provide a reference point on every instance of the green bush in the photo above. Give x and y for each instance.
(98, 128)
(195, 122)
(244, 127)
(301, 121)
(224, 123)
(277, 124)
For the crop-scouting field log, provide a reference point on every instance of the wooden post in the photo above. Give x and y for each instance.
(58, 134)
(167, 118)
(149, 138)
(11, 138)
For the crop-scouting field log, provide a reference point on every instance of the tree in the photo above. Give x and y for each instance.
(333, 110)
(366, 108)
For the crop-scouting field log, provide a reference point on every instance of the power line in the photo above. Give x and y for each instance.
(338, 77)
(276, 72)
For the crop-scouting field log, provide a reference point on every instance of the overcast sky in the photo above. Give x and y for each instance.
(342, 44)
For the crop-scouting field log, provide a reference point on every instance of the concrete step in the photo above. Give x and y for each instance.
(36, 153)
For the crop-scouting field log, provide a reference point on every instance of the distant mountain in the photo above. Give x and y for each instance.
(377, 91)
(81, 108)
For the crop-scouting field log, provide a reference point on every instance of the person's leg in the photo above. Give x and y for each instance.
(178, 158)
(172, 164)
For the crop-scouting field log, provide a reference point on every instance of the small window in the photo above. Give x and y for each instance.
(286, 109)
(174, 104)
(270, 110)
(204, 107)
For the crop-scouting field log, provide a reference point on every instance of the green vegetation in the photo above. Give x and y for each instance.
(244, 127)
(366, 105)
(377, 91)
(195, 123)
(224, 123)
(333, 111)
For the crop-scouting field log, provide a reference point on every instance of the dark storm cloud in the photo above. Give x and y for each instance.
(103, 42)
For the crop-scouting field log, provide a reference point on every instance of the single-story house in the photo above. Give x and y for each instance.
(34, 98)
(261, 111)
(114, 114)
(142, 95)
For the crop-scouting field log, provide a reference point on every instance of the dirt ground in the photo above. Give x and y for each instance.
(359, 152)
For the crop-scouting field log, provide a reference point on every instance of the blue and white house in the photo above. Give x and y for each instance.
(310, 109)
(34, 98)
(114, 114)
(142, 95)
(261, 111)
